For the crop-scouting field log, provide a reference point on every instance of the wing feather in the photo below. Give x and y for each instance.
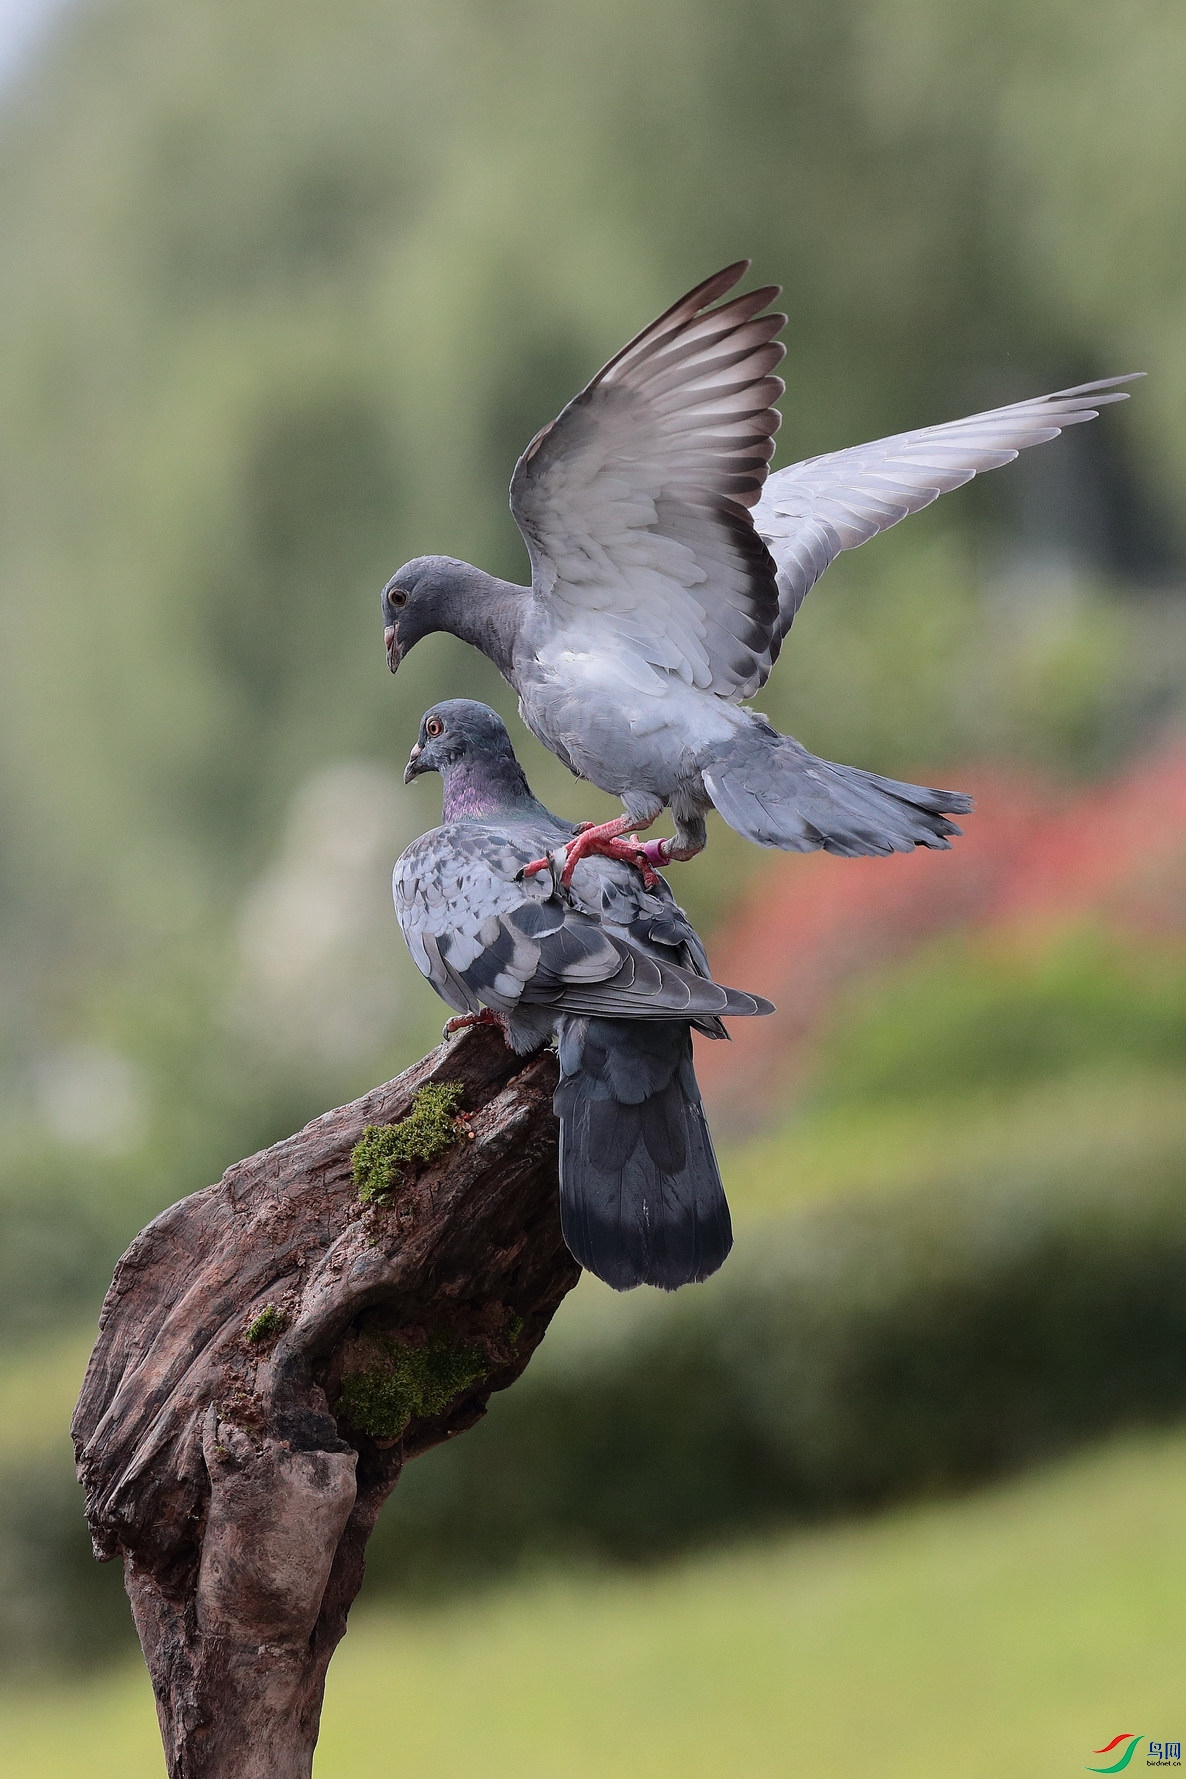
(634, 502)
(812, 510)
(484, 939)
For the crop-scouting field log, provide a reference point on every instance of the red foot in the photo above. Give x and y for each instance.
(606, 842)
(535, 867)
(545, 864)
(486, 1017)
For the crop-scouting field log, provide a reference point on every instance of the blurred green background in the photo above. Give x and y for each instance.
(284, 290)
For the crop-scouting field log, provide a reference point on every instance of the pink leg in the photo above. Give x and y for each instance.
(602, 840)
(665, 852)
(486, 1017)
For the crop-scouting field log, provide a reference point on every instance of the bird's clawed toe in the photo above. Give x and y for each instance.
(604, 840)
(486, 1017)
(594, 842)
(547, 863)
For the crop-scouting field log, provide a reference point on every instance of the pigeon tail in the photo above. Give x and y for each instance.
(769, 788)
(641, 1199)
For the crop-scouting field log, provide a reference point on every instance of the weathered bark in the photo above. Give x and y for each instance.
(222, 1465)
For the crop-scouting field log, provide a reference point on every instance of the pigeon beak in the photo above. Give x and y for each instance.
(394, 652)
(412, 769)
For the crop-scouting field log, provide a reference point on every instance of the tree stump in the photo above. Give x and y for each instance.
(271, 1353)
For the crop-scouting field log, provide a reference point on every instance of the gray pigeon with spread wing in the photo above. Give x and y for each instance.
(667, 568)
(610, 968)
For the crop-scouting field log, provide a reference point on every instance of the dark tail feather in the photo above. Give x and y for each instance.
(641, 1200)
(773, 791)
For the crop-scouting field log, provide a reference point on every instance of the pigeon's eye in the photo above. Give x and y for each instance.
(397, 596)
(434, 727)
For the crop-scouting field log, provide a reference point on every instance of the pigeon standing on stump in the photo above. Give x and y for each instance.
(610, 968)
(666, 569)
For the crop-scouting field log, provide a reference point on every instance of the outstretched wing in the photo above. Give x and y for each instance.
(634, 503)
(812, 510)
(484, 940)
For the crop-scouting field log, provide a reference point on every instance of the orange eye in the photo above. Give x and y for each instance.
(434, 727)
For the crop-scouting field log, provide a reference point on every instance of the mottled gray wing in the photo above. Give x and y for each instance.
(812, 510)
(454, 895)
(484, 939)
(634, 502)
(650, 920)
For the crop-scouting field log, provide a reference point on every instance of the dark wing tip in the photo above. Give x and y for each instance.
(740, 1005)
(718, 283)
(704, 293)
(685, 309)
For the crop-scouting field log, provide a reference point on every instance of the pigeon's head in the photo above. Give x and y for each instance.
(457, 732)
(415, 601)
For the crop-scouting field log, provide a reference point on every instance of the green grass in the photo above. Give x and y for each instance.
(1010, 1632)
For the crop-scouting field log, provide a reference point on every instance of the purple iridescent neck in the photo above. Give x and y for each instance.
(484, 788)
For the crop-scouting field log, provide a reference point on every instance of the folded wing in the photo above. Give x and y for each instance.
(484, 940)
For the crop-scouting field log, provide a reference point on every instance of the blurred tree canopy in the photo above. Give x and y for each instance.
(284, 290)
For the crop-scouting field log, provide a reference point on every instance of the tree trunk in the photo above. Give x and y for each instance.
(271, 1353)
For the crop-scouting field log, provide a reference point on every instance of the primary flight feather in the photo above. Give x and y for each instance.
(667, 568)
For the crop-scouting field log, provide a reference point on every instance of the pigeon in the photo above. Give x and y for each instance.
(667, 568)
(609, 969)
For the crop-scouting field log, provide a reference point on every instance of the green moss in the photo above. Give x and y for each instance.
(269, 1322)
(383, 1150)
(382, 1397)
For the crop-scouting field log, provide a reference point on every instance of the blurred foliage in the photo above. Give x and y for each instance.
(858, 1353)
(912, 655)
(283, 293)
(58, 1607)
(1108, 1114)
(868, 1347)
(994, 1015)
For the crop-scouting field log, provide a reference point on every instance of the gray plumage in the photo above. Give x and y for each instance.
(811, 511)
(612, 970)
(666, 570)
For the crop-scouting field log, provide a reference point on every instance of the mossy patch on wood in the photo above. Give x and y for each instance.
(269, 1323)
(401, 1382)
(383, 1151)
